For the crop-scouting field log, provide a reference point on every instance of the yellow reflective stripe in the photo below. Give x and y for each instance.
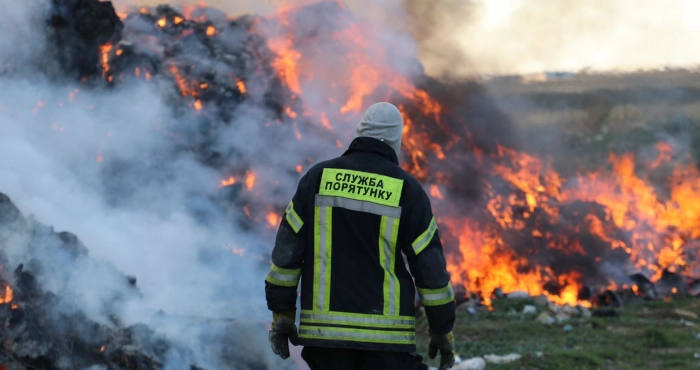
(283, 277)
(293, 218)
(424, 239)
(364, 186)
(388, 233)
(358, 205)
(357, 335)
(436, 297)
(323, 232)
(356, 319)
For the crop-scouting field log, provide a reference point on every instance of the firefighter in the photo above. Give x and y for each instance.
(344, 235)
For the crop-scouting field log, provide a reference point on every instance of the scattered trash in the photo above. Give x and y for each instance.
(541, 300)
(568, 328)
(546, 319)
(476, 363)
(539, 354)
(529, 309)
(505, 359)
(686, 314)
(518, 295)
(561, 317)
(585, 312)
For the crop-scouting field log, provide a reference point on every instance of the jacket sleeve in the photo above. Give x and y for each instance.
(288, 254)
(423, 250)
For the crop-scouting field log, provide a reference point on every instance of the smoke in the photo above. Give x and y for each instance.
(109, 166)
(464, 38)
(135, 174)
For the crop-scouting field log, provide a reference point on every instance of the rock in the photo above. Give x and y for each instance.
(497, 293)
(686, 314)
(546, 319)
(505, 359)
(568, 328)
(476, 363)
(569, 310)
(518, 295)
(561, 317)
(529, 309)
(541, 300)
(585, 312)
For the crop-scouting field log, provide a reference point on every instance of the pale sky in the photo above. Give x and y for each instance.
(528, 36)
(524, 36)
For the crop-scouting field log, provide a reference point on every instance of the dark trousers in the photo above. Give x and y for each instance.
(320, 358)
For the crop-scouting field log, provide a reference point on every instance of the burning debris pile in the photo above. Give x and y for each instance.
(257, 100)
(43, 330)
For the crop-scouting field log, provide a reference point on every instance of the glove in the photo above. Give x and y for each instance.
(282, 331)
(446, 344)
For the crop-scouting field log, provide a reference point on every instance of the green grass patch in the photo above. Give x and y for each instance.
(645, 335)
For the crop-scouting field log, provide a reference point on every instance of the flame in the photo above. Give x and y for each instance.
(435, 192)
(8, 296)
(228, 182)
(102, 349)
(104, 51)
(241, 86)
(286, 63)
(182, 84)
(250, 180)
(525, 199)
(273, 219)
(238, 251)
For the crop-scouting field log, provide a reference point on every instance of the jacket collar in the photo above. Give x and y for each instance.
(372, 145)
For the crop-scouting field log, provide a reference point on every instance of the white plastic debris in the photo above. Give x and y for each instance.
(546, 319)
(476, 363)
(518, 295)
(585, 312)
(529, 309)
(505, 359)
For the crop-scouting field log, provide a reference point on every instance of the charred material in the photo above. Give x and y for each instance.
(78, 29)
(45, 330)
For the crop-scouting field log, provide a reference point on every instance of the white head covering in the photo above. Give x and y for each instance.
(382, 121)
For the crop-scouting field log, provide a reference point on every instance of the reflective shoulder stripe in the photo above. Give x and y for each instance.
(436, 297)
(293, 218)
(424, 239)
(283, 277)
(357, 319)
(357, 205)
(357, 335)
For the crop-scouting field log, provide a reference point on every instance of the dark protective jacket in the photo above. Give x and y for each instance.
(343, 234)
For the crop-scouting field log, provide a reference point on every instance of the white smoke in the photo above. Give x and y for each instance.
(464, 38)
(101, 164)
(109, 166)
